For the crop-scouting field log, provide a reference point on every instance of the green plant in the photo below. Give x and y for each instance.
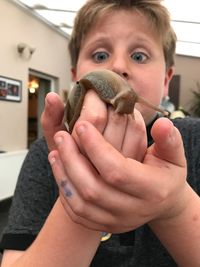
(195, 108)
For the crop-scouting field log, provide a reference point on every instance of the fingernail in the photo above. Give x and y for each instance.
(52, 160)
(58, 140)
(80, 129)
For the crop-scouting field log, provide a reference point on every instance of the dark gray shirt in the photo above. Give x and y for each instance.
(36, 193)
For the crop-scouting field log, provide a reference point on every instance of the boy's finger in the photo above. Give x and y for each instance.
(100, 152)
(52, 116)
(168, 142)
(94, 110)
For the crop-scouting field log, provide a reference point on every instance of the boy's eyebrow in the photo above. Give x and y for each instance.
(99, 40)
(105, 40)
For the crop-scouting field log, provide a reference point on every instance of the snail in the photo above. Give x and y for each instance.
(111, 88)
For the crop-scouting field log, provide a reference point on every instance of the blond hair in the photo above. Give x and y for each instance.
(157, 14)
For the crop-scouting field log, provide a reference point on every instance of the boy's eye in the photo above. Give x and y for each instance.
(100, 56)
(139, 57)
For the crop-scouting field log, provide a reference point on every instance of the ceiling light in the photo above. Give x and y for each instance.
(65, 25)
(42, 7)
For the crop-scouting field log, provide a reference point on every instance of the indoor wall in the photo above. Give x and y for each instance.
(189, 70)
(50, 57)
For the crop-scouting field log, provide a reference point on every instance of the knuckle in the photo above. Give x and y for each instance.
(161, 196)
(115, 177)
(97, 119)
(94, 116)
(73, 211)
(78, 209)
(90, 195)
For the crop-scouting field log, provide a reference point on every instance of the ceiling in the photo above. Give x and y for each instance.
(185, 16)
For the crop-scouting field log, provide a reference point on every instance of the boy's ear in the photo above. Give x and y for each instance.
(73, 74)
(168, 76)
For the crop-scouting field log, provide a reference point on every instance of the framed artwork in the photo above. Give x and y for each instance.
(10, 89)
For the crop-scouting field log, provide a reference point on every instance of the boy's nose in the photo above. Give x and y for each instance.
(120, 66)
(124, 74)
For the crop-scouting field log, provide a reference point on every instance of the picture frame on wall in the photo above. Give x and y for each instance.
(10, 89)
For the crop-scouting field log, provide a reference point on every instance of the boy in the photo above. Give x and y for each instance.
(108, 179)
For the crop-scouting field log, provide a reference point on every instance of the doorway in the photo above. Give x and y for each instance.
(39, 85)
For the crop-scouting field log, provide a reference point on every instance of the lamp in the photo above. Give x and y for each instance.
(25, 50)
(33, 85)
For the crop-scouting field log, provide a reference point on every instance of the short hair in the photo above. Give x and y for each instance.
(154, 10)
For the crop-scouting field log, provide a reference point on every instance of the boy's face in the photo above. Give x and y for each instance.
(124, 42)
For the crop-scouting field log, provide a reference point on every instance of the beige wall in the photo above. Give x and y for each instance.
(51, 57)
(189, 69)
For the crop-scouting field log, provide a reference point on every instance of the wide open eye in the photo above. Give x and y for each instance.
(139, 57)
(100, 56)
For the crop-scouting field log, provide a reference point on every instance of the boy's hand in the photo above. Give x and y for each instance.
(115, 184)
(112, 182)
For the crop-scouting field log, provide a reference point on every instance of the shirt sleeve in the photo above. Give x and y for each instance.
(35, 194)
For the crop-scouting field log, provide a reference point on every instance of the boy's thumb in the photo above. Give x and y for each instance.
(51, 118)
(168, 144)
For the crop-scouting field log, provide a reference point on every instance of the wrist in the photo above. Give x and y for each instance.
(180, 233)
(82, 231)
(180, 212)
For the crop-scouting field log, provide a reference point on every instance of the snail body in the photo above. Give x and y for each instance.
(110, 87)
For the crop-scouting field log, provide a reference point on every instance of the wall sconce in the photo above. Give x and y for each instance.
(25, 50)
(33, 85)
